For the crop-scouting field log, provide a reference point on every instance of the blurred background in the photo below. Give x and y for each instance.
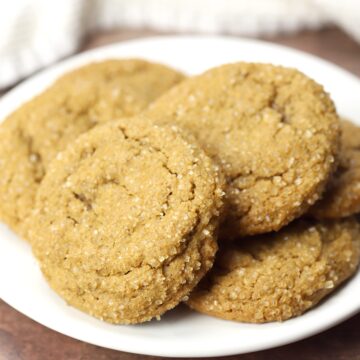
(36, 33)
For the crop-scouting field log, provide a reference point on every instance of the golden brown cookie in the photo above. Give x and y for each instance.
(125, 221)
(277, 276)
(273, 130)
(342, 197)
(33, 135)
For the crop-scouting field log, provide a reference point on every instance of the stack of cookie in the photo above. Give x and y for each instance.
(139, 189)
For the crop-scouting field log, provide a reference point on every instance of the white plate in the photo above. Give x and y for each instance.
(181, 332)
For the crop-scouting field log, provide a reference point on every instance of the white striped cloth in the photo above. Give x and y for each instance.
(35, 33)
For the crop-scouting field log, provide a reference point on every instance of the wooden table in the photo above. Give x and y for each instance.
(22, 338)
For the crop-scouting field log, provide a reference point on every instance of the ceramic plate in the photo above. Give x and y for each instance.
(180, 332)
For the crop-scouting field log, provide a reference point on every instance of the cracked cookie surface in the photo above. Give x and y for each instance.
(276, 276)
(125, 221)
(79, 100)
(342, 196)
(273, 130)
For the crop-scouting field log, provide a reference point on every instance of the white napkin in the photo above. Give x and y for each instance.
(35, 33)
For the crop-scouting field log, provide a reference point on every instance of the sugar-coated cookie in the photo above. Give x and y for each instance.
(274, 131)
(125, 221)
(342, 197)
(277, 276)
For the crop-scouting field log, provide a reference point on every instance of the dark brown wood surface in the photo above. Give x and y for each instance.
(22, 338)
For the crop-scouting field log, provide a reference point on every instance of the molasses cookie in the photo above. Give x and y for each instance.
(276, 276)
(342, 197)
(125, 221)
(33, 135)
(273, 130)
